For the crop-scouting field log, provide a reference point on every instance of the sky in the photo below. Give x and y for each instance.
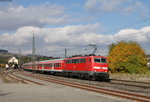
(73, 25)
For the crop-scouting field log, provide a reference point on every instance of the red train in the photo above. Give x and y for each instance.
(88, 67)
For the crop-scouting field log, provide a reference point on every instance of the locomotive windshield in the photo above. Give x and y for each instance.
(100, 60)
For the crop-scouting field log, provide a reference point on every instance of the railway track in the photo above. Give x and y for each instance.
(128, 86)
(15, 78)
(144, 86)
(127, 95)
(130, 83)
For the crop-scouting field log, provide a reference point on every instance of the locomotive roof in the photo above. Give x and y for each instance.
(85, 57)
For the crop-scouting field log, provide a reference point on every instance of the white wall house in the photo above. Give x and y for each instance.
(13, 60)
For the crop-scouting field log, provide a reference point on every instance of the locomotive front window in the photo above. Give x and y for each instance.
(103, 60)
(97, 60)
(100, 60)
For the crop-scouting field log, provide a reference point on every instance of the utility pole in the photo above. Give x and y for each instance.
(65, 53)
(19, 63)
(33, 54)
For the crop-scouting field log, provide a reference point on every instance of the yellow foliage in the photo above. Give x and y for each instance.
(122, 51)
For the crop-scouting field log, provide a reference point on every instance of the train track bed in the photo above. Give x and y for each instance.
(99, 87)
(142, 88)
(4, 78)
(138, 84)
(9, 77)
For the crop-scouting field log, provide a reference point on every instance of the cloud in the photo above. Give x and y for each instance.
(125, 7)
(53, 41)
(139, 35)
(13, 17)
(48, 39)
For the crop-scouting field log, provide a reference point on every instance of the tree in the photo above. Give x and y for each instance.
(127, 57)
(111, 46)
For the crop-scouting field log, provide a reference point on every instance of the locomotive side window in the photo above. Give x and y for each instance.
(82, 61)
(74, 61)
(68, 61)
(77, 60)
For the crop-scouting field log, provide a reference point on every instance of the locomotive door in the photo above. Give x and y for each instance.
(88, 64)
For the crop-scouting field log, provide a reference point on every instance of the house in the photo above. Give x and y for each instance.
(13, 60)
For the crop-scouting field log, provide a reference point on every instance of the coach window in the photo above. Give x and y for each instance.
(45, 65)
(56, 64)
(50, 64)
(59, 65)
(42, 65)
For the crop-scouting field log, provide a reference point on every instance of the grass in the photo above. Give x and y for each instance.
(134, 77)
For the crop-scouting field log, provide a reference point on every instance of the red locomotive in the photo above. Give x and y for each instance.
(87, 67)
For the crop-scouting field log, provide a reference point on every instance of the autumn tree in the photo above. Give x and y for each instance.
(127, 57)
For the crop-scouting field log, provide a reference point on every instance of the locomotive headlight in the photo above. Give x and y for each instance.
(96, 67)
(104, 68)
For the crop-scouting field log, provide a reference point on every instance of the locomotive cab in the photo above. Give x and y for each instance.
(100, 68)
(100, 65)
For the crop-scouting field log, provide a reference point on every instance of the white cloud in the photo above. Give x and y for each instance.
(46, 38)
(139, 35)
(53, 41)
(125, 7)
(13, 17)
